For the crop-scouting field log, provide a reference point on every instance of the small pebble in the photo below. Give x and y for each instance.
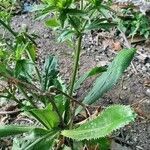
(147, 92)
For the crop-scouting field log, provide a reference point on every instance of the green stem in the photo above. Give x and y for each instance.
(70, 111)
(81, 4)
(75, 68)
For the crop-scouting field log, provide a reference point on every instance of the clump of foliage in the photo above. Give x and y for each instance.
(46, 97)
(135, 23)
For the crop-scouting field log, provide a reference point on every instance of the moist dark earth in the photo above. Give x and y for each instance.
(99, 50)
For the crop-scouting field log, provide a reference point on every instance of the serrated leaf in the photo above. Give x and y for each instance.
(7, 130)
(109, 78)
(111, 119)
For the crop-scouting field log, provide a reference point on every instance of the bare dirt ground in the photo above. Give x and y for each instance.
(99, 49)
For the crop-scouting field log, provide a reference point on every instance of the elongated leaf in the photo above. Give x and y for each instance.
(109, 78)
(62, 18)
(47, 117)
(92, 72)
(100, 25)
(7, 130)
(75, 22)
(75, 12)
(32, 52)
(111, 119)
(50, 72)
(66, 35)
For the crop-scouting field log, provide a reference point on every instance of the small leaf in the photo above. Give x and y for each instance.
(52, 23)
(92, 72)
(46, 117)
(111, 119)
(66, 35)
(7, 130)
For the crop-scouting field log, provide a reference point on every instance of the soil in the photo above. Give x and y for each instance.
(99, 50)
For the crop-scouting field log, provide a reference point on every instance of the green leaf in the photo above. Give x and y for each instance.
(62, 18)
(50, 72)
(111, 119)
(2, 68)
(52, 23)
(60, 101)
(92, 72)
(7, 130)
(20, 48)
(100, 143)
(109, 78)
(66, 35)
(32, 52)
(75, 12)
(24, 69)
(46, 117)
(38, 139)
(75, 22)
(97, 24)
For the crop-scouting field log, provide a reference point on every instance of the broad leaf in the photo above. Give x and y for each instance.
(92, 72)
(46, 117)
(109, 78)
(111, 119)
(7, 130)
